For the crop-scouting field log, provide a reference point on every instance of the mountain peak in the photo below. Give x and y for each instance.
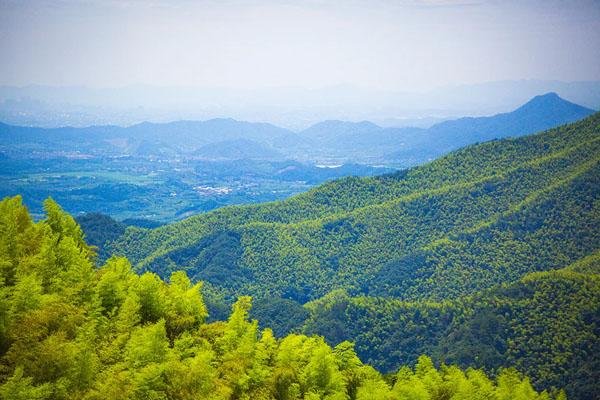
(549, 100)
(550, 97)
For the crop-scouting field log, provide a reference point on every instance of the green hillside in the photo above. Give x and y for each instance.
(546, 324)
(463, 259)
(481, 216)
(69, 330)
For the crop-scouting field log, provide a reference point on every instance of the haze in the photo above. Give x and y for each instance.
(376, 45)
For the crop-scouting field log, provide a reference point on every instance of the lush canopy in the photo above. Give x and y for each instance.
(71, 331)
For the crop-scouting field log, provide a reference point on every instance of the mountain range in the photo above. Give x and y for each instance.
(145, 139)
(411, 146)
(486, 257)
(294, 108)
(393, 223)
(418, 260)
(329, 142)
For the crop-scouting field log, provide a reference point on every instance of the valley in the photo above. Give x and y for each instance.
(167, 172)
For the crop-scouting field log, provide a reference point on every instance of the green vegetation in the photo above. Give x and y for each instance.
(545, 324)
(71, 331)
(164, 190)
(462, 259)
(486, 258)
(482, 216)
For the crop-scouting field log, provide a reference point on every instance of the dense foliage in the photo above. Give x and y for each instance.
(482, 216)
(547, 324)
(71, 331)
(100, 229)
(458, 259)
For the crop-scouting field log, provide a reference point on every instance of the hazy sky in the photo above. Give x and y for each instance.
(394, 45)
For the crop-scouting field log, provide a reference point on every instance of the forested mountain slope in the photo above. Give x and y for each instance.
(71, 331)
(546, 324)
(481, 216)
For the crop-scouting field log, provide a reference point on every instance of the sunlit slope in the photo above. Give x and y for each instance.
(69, 330)
(483, 215)
(544, 324)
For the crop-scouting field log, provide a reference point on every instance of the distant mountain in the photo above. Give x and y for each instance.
(355, 141)
(199, 133)
(329, 142)
(145, 139)
(147, 148)
(237, 149)
(540, 113)
(290, 107)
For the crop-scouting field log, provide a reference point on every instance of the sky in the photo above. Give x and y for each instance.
(403, 45)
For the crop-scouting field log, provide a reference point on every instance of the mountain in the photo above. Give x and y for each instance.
(148, 148)
(407, 146)
(166, 139)
(412, 235)
(197, 133)
(540, 113)
(73, 331)
(545, 323)
(355, 141)
(449, 252)
(237, 149)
